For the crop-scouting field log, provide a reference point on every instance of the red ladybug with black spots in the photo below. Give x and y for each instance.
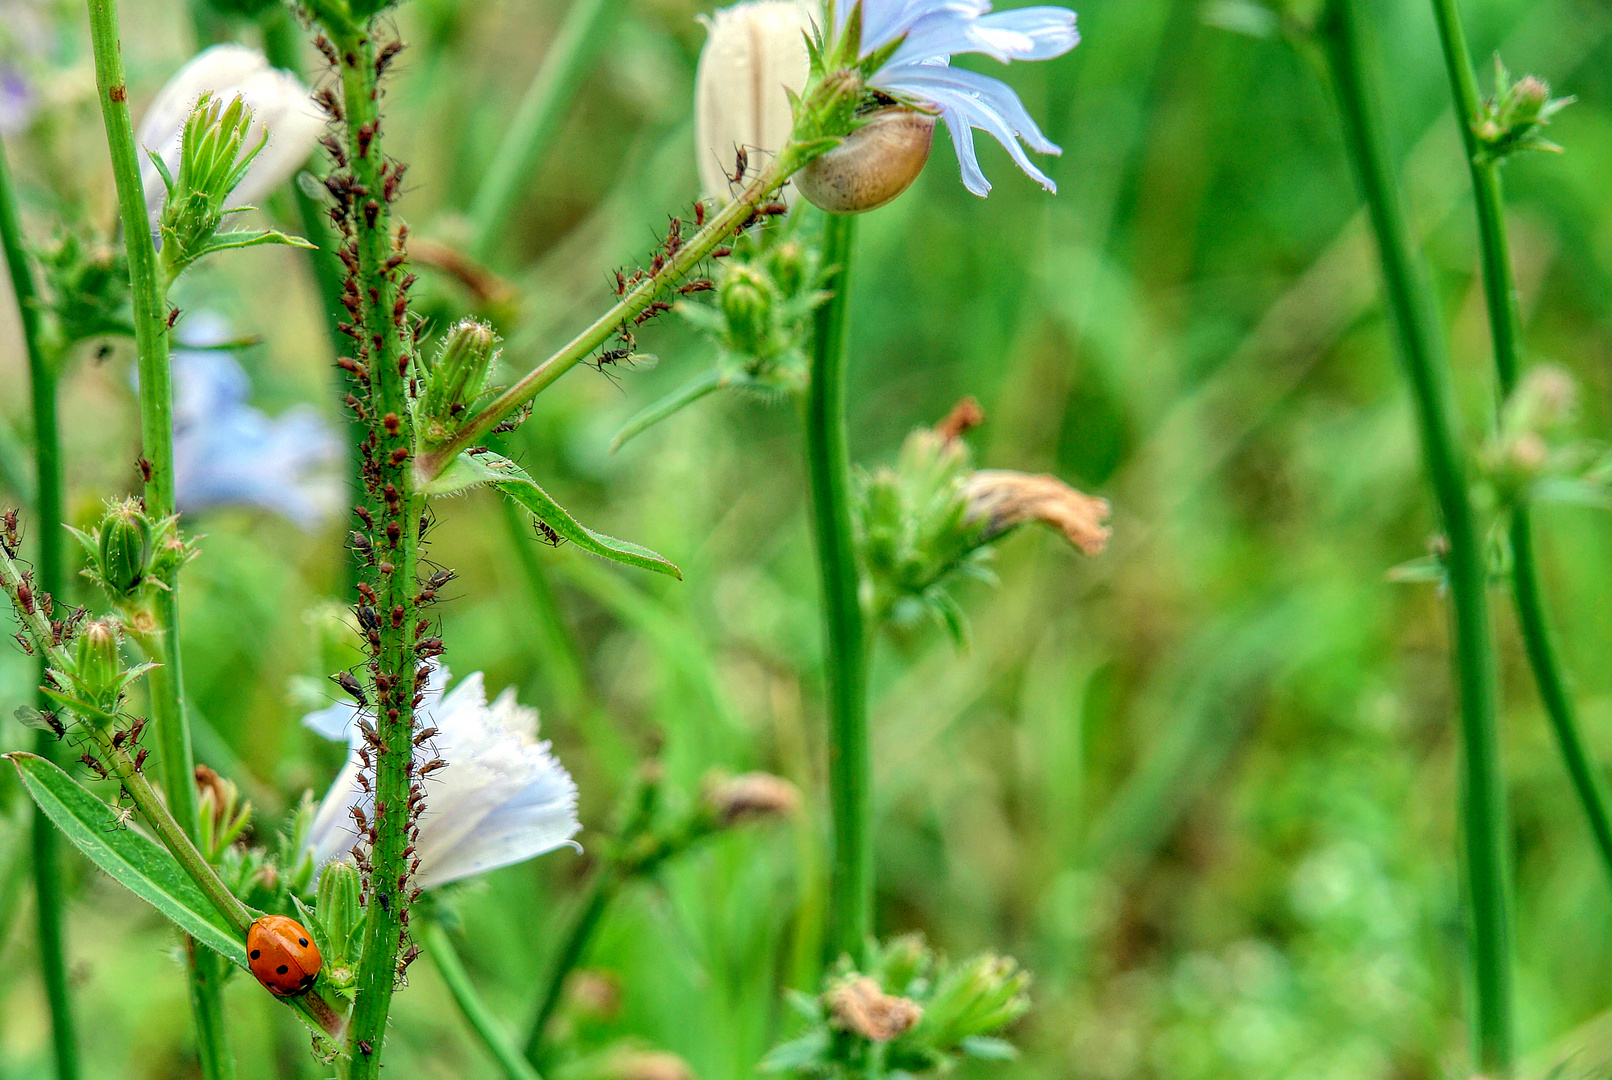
(283, 955)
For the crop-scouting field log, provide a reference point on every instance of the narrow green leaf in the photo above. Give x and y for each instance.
(472, 470)
(138, 863)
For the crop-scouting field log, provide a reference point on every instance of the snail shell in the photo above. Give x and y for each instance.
(876, 162)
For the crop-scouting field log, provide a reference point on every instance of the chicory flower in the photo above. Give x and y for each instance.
(502, 799)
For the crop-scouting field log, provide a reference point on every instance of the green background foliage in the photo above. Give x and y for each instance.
(1203, 786)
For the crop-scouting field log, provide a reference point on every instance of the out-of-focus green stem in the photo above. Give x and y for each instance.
(554, 644)
(1505, 327)
(850, 770)
(148, 295)
(1422, 349)
(607, 881)
(443, 956)
(48, 578)
(538, 119)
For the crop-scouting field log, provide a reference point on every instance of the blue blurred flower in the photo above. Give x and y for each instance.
(17, 100)
(919, 71)
(502, 799)
(226, 452)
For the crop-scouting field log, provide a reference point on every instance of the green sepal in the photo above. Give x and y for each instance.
(474, 470)
(134, 861)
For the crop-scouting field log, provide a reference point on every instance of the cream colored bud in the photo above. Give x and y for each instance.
(755, 55)
(1003, 499)
(877, 162)
(861, 1007)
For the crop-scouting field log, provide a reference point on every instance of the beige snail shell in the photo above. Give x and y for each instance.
(876, 162)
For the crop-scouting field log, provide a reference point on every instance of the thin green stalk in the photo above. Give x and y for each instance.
(149, 300)
(607, 881)
(396, 508)
(1426, 366)
(555, 647)
(722, 227)
(537, 119)
(440, 949)
(1505, 326)
(48, 576)
(850, 770)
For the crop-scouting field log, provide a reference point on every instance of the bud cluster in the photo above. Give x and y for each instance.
(766, 294)
(1533, 453)
(86, 286)
(908, 1012)
(1511, 120)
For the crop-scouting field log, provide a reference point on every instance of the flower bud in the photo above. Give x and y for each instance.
(338, 910)
(859, 1006)
(99, 665)
(123, 550)
(458, 377)
(746, 297)
(875, 163)
(753, 58)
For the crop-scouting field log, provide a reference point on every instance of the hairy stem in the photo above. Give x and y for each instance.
(607, 881)
(48, 575)
(1423, 352)
(1505, 322)
(537, 120)
(850, 777)
(446, 960)
(384, 347)
(149, 299)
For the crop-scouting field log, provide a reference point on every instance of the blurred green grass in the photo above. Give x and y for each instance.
(1201, 786)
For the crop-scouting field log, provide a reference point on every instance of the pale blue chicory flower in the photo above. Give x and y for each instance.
(919, 70)
(502, 799)
(228, 453)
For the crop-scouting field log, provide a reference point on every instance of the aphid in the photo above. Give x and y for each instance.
(741, 165)
(366, 135)
(358, 540)
(372, 209)
(394, 531)
(721, 252)
(367, 591)
(25, 598)
(22, 640)
(145, 470)
(348, 364)
(325, 48)
(363, 782)
(696, 286)
(431, 646)
(136, 729)
(140, 759)
(674, 236)
(432, 766)
(397, 617)
(358, 815)
(699, 215)
(173, 316)
(365, 1048)
(347, 682)
(420, 628)
(384, 58)
(398, 457)
(547, 534)
(282, 955)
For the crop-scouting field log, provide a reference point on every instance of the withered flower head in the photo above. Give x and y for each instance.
(859, 1006)
(750, 796)
(1003, 498)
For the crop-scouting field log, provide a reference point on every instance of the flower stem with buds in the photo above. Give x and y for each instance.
(1500, 292)
(1483, 811)
(48, 575)
(149, 300)
(720, 228)
(828, 460)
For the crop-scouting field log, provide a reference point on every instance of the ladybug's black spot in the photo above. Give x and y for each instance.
(282, 969)
(256, 953)
(303, 942)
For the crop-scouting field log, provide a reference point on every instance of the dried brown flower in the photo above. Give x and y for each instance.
(860, 1006)
(1003, 498)
(964, 417)
(751, 795)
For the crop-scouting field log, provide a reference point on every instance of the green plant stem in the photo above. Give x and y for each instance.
(149, 299)
(555, 647)
(538, 119)
(607, 882)
(722, 227)
(48, 577)
(439, 947)
(396, 509)
(1505, 328)
(850, 770)
(1422, 350)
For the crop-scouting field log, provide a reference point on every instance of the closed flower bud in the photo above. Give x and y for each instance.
(877, 162)
(99, 667)
(755, 55)
(746, 297)
(124, 549)
(337, 905)
(859, 1006)
(458, 377)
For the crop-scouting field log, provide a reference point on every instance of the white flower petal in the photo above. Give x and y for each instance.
(280, 105)
(1051, 30)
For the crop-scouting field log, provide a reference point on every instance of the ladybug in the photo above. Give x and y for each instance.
(283, 955)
